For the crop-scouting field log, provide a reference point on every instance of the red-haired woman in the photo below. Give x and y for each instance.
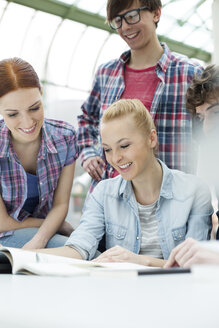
(37, 160)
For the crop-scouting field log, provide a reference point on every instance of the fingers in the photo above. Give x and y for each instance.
(181, 254)
(93, 166)
(115, 254)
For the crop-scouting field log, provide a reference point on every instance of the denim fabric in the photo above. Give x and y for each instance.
(22, 236)
(184, 210)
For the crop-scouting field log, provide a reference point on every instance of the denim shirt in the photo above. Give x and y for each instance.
(184, 210)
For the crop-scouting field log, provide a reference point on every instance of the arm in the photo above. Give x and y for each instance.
(88, 133)
(8, 223)
(58, 212)
(65, 251)
(199, 221)
(120, 254)
(191, 252)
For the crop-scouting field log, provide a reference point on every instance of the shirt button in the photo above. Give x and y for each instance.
(138, 237)
(42, 198)
(118, 235)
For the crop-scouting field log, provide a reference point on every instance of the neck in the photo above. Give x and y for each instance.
(147, 56)
(147, 187)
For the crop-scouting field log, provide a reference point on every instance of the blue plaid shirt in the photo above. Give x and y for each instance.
(173, 122)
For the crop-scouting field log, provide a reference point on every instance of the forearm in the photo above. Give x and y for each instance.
(8, 223)
(66, 251)
(151, 261)
(51, 224)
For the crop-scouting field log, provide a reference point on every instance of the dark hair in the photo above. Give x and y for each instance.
(15, 73)
(116, 6)
(203, 89)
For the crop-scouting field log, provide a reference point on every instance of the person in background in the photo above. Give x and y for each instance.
(148, 71)
(203, 102)
(148, 208)
(37, 160)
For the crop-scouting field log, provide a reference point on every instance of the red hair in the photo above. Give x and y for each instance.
(15, 73)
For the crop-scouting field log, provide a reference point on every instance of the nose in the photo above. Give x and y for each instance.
(116, 157)
(125, 26)
(27, 121)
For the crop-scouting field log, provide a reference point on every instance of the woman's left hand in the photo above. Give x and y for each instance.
(118, 254)
(34, 244)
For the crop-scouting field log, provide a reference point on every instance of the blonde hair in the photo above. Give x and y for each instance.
(135, 107)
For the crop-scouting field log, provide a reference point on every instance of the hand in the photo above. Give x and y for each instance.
(93, 167)
(34, 244)
(118, 254)
(66, 229)
(191, 252)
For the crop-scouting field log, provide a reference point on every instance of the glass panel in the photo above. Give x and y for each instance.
(13, 29)
(81, 72)
(92, 6)
(62, 51)
(38, 40)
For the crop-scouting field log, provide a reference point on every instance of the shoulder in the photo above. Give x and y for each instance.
(187, 185)
(113, 64)
(59, 128)
(185, 63)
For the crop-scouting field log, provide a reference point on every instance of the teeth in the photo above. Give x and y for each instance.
(131, 35)
(125, 165)
(28, 130)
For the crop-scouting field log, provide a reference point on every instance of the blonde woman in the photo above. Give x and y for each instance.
(148, 209)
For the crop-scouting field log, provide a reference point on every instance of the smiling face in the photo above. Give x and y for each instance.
(142, 34)
(127, 148)
(209, 114)
(23, 114)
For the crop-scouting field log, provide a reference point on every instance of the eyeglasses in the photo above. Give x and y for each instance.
(131, 17)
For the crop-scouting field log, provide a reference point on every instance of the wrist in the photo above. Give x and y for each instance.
(40, 240)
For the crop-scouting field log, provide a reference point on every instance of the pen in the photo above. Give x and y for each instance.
(164, 271)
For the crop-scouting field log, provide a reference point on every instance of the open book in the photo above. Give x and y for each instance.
(19, 261)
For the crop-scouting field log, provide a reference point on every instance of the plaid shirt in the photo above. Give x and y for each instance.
(58, 149)
(173, 122)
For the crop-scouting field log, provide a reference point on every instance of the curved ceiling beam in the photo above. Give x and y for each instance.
(76, 14)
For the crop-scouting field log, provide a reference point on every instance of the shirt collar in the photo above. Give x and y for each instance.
(165, 59)
(4, 140)
(163, 62)
(47, 144)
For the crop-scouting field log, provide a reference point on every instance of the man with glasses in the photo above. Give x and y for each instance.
(149, 72)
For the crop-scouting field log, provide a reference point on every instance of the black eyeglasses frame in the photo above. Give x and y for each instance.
(122, 16)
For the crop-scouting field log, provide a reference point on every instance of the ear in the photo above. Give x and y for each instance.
(153, 138)
(157, 14)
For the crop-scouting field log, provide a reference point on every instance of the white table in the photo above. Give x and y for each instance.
(166, 301)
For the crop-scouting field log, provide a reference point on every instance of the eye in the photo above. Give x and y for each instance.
(125, 146)
(107, 150)
(12, 115)
(200, 117)
(35, 108)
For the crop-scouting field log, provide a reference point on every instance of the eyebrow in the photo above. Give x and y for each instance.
(15, 110)
(212, 106)
(120, 140)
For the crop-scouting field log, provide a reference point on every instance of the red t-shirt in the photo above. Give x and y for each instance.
(140, 84)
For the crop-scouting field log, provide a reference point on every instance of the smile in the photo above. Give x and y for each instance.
(124, 166)
(30, 130)
(131, 36)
